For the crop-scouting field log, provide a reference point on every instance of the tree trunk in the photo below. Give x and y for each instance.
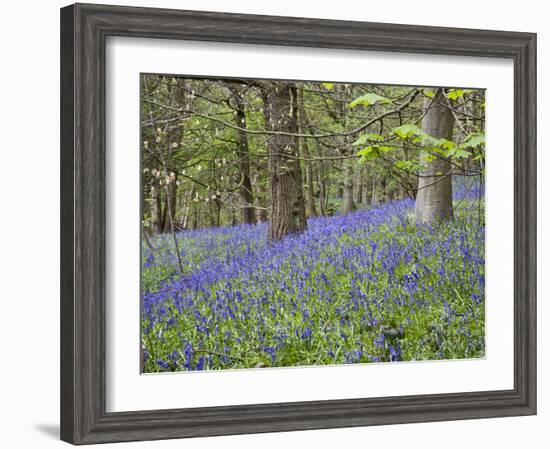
(157, 210)
(244, 158)
(310, 199)
(359, 183)
(287, 200)
(374, 200)
(434, 200)
(170, 203)
(322, 188)
(347, 195)
(188, 200)
(261, 195)
(348, 164)
(386, 190)
(366, 198)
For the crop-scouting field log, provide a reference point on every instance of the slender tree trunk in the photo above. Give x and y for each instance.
(299, 211)
(218, 211)
(287, 199)
(310, 199)
(322, 188)
(340, 191)
(366, 195)
(170, 201)
(244, 158)
(374, 200)
(188, 199)
(359, 184)
(366, 200)
(348, 204)
(434, 200)
(261, 196)
(386, 190)
(196, 216)
(211, 214)
(347, 199)
(157, 210)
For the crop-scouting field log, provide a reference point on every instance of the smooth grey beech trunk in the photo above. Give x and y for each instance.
(434, 199)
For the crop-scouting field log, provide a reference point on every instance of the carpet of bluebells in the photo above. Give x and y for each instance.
(369, 286)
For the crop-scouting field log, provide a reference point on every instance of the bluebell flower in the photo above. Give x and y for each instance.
(163, 363)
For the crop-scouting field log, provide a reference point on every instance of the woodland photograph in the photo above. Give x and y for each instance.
(298, 223)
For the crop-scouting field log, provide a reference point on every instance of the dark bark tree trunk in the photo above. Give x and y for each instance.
(287, 200)
(366, 194)
(157, 210)
(434, 200)
(359, 183)
(243, 154)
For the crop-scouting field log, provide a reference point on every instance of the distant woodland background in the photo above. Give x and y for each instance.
(234, 151)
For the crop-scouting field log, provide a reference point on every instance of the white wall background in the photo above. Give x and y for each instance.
(29, 227)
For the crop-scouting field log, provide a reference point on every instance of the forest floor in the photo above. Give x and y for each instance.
(369, 286)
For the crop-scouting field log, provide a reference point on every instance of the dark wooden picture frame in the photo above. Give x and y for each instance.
(84, 29)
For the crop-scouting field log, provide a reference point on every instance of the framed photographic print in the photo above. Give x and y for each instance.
(274, 223)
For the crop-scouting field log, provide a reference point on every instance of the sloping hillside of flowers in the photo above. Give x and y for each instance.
(369, 286)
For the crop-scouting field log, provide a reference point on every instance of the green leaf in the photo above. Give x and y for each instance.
(427, 140)
(375, 137)
(474, 140)
(462, 154)
(428, 157)
(445, 144)
(367, 137)
(408, 131)
(328, 86)
(429, 93)
(457, 153)
(455, 94)
(401, 164)
(410, 166)
(373, 151)
(361, 140)
(449, 153)
(369, 99)
(368, 153)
